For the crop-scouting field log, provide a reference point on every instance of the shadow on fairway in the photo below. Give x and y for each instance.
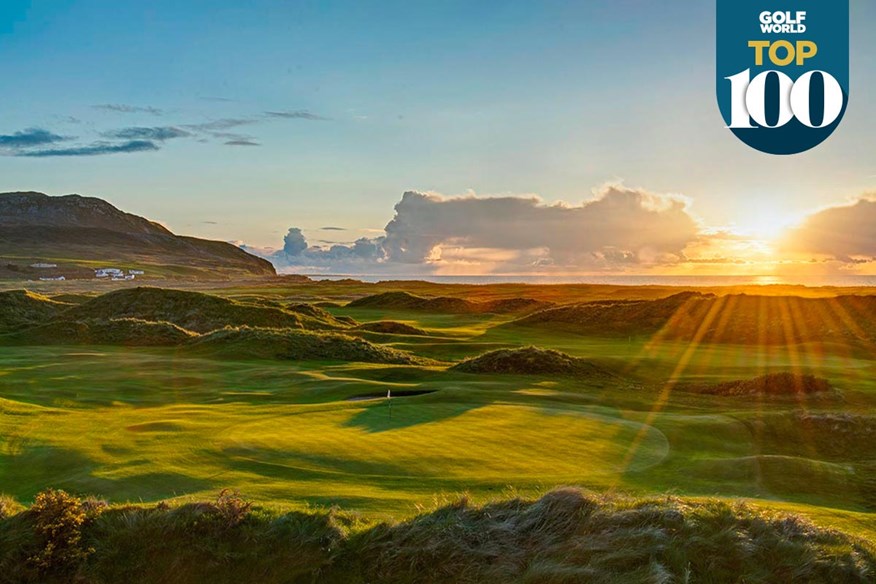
(382, 417)
(27, 467)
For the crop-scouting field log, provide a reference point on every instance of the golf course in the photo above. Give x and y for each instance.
(386, 402)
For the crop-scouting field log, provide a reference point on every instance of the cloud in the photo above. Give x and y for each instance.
(294, 243)
(38, 142)
(129, 109)
(619, 229)
(159, 134)
(221, 124)
(619, 226)
(96, 149)
(332, 228)
(297, 115)
(30, 138)
(842, 233)
(241, 142)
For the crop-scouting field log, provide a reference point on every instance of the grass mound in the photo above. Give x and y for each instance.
(615, 317)
(731, 319)
(406, 301)
(567, 536)
(320, 314)
(263, 343)
(515, 306)
(131, 332)
(831, 436)
(21, 308)
(391, 327)
(530, 361)
(193, 311)
(447, 305)
(773, 384)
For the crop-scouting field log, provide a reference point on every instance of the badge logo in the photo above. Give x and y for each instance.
(783, 71)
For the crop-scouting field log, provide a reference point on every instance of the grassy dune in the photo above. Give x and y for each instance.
(565, 536)
(20, 308)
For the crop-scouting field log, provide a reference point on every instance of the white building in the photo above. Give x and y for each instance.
(52, 279)
(43, 266)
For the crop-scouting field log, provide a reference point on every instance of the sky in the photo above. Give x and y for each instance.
(393, 123)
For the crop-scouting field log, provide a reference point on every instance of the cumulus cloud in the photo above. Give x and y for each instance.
(159, 134)
(620, 228)
(29, 138)
(841, 233)
(362, 255)
(294, 243)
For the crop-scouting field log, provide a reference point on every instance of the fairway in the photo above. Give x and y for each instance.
(437, 442)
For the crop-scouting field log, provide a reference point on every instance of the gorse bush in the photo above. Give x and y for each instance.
(232, 508)
(58, 521)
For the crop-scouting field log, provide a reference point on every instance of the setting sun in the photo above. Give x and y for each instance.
(769, 219)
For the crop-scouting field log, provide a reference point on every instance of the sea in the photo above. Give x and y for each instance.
(843, 281)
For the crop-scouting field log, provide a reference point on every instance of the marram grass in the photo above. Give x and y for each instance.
(566, 536)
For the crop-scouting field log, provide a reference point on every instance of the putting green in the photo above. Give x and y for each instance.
(446, 440)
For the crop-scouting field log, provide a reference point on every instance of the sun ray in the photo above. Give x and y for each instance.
(670, 384)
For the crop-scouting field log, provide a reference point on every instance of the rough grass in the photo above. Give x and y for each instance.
(9, 507)
(614, 317)
(72, 298)
(400, 300)
(21, 308)
(835, 436)
(263, 343)
(567, 536)
(193, 311)
(530, 361)
(730, 319)
(772, 384)
(130, 332)
(311, 310)
(391, 327)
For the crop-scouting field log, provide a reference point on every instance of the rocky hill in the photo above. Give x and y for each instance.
(73, 232)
